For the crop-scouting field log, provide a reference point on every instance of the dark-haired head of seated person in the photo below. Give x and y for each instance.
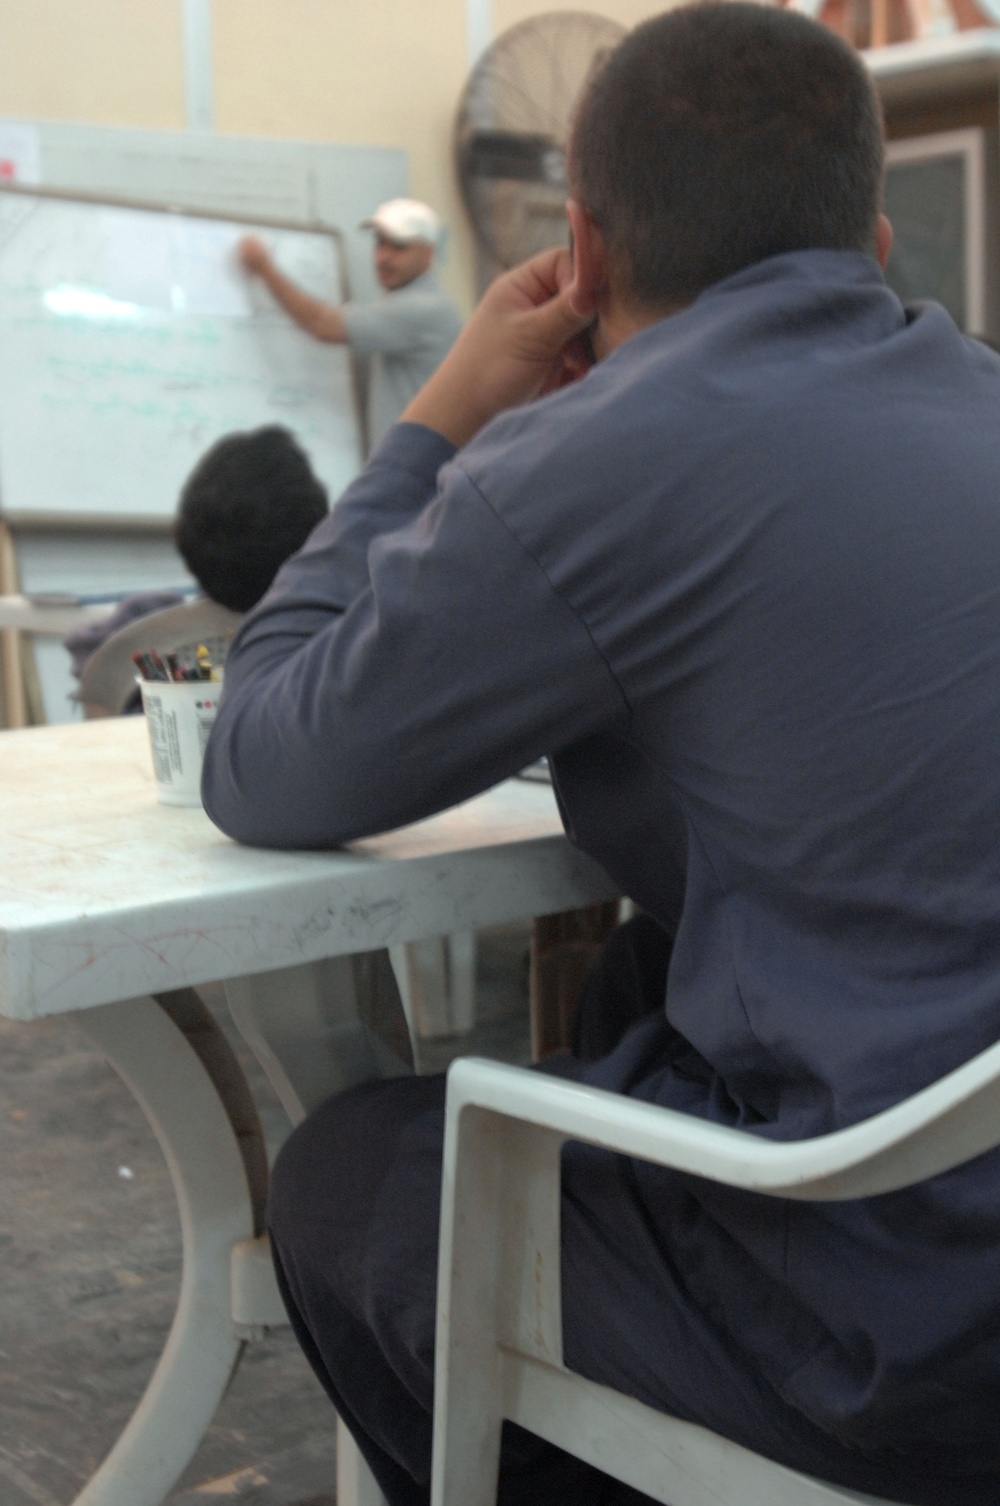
(251, 501)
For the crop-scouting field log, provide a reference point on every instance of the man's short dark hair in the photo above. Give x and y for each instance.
(250, 502)
(720, 134)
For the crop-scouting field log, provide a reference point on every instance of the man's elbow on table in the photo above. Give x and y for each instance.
(264, 793)
(260, 803)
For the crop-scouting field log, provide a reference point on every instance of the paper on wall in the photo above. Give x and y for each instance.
(20, 153)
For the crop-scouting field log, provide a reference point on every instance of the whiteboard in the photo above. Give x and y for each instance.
(130, 340)
(328, 183)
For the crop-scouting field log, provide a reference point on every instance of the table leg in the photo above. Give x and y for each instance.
(180, 1076)
(563, 948)
(15, 701)
(462, 980)
(437, 979)
(421, 969)
(317, 1029)
(321, 1027)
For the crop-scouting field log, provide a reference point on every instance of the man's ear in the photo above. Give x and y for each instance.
(883, 240)
(590, 259)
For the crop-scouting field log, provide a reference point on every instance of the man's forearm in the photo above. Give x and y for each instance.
(321, 320)
(410, 655)
(259, 797)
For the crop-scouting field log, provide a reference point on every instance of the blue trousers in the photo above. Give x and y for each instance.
(354, 1226)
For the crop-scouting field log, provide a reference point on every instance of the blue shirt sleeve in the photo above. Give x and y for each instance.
(410, 656)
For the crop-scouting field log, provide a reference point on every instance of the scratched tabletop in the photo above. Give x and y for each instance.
(105, 894)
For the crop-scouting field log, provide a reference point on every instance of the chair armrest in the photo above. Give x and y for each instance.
(945, 1124)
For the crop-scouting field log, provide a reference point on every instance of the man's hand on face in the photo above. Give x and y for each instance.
(526, 338)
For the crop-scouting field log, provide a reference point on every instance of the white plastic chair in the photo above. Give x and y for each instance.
(499, 1340)
(108, 679)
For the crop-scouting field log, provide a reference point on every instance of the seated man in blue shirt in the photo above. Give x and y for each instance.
(741, 583)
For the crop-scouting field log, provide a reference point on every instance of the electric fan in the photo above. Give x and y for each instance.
(513, 127)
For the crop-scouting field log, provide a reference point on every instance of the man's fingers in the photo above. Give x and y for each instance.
(555, 307)
(553, 324)
(584, 301)
(518, 343)
(543, 276)
(251, 253)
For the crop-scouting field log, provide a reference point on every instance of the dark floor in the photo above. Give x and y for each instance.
(90, 1252)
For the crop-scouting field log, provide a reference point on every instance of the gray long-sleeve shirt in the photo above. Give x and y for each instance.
(406, 334)
(743, 583)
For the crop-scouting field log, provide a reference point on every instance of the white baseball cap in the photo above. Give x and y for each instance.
(405, 221)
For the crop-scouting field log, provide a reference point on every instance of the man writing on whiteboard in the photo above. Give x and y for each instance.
(405, 334)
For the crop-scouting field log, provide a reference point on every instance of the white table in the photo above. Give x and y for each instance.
(113, 907)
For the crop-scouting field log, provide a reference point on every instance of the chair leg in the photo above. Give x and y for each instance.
(356, 1485)
(482, 1293)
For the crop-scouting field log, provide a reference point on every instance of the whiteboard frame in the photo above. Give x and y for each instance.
(45, 522)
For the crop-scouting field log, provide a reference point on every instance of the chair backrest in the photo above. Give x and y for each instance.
(499, 1329)
(108, 680)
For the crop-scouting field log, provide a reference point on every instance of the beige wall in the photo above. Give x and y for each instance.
(508, 13)
(382, 72)
(379, 72)
(106, 62)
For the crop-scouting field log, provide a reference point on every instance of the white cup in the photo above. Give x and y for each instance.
(179, 716)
